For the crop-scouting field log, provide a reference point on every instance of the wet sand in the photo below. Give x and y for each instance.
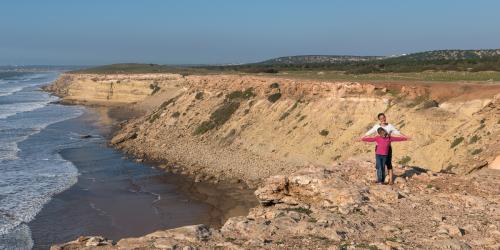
(116, 197)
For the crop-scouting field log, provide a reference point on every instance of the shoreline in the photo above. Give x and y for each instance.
(201, 195)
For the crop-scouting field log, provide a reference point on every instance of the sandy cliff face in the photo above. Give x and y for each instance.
(253, 127)
(250, 128)
(110, 89)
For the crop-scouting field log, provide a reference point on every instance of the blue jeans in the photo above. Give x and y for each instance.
(381, 161)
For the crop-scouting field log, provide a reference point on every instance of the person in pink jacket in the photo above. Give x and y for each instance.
(383, 141)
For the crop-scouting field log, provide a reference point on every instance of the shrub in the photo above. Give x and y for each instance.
(154, 87)
(274, 85)
(166, 103)
(323, 132)
(476, 151)
(457, 141)
(238, 94)
(474, 139)
(302, 118)
(220, 116)
(274, 97)
(405, 160)
(204, 127)
(224, 112)
(199, 96)
(153, 117)
(176, 114)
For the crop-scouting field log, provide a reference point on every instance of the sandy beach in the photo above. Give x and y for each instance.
(118, 198)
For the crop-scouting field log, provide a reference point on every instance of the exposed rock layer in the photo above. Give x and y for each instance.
(337, 208)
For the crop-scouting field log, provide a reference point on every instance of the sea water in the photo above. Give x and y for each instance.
(32, 174)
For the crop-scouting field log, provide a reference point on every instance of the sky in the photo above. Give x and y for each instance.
(95, 32)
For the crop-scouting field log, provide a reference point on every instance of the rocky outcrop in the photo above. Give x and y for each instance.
(336, 207)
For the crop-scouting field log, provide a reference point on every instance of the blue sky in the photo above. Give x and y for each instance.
(78, 32)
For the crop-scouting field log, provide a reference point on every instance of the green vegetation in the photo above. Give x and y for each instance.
(240, 95)
(346, 245)
(405, 160)
(323, 132)
(442, 65)
(167, 102)
(457, 141)
(204, 127)
(476, 151)
(154, 87)
(224, 112)
(154, 116)
(274, 97)
(474, 139)
(301, 210)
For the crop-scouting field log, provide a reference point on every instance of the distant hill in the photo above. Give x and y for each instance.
(317, 59)
(438, 60)
(451, 55)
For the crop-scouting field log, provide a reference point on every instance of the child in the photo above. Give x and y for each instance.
(383, 141)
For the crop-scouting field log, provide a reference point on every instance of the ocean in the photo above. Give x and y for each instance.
(31, 174)
(60, 180)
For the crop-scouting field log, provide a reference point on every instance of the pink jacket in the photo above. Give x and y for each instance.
(383, 143)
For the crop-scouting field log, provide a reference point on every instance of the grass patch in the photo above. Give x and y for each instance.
(240, 95)
(223, 113)
(166, 103)
(274, 97)
(153, 117)
(405, 160)
(199, 96)
(457, 141)
(301, 210)
(474, 139)
(230, 239)
(321, 238)
(204, 127)
(476, 151)
(324, 132)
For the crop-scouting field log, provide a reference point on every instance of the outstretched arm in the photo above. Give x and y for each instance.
(368, 139)
(402, 138)
(373, 130)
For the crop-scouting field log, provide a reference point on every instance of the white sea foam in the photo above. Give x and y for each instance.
(33, 174)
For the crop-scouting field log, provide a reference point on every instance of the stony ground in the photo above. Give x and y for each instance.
(337, 207)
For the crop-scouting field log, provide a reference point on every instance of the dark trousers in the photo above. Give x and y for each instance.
(381, 161)
(388, 163)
